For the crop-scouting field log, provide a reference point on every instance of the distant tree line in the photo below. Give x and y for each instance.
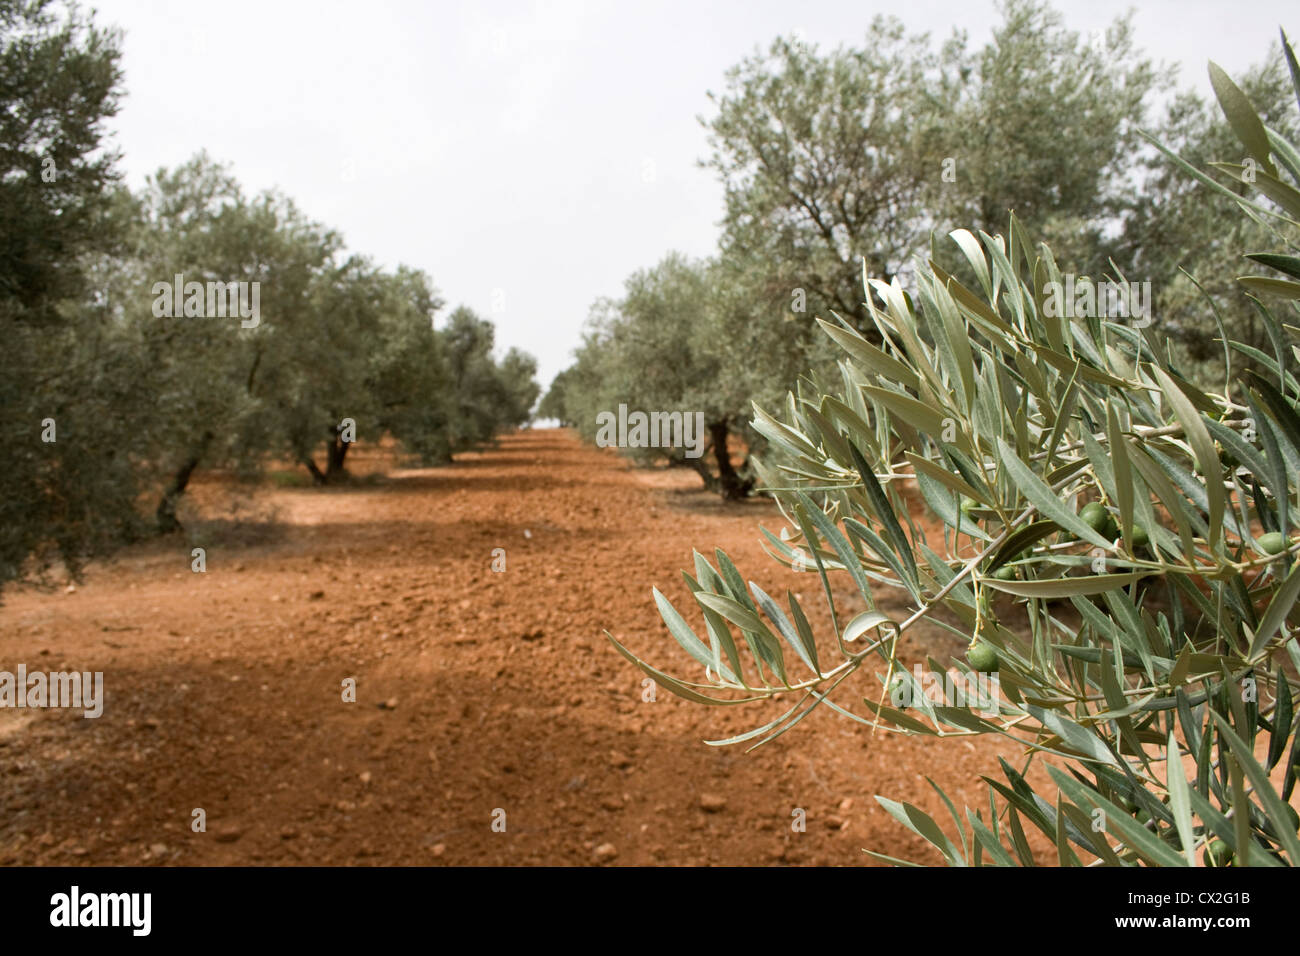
(110, 398)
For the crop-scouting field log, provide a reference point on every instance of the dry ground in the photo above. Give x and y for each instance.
(477, 691)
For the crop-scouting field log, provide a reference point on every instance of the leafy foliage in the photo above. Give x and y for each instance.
(71, 497)
(863, 151)
(1187, 247)
(836, 161)
(1141, 526)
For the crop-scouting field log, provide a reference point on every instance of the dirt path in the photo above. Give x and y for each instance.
(477, 691)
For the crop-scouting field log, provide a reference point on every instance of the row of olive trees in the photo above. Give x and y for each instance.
(344, 350)
(110, 396)
(844, 163)
(677, 342)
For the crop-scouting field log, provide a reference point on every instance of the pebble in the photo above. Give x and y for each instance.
(712, 803)
(606, 852)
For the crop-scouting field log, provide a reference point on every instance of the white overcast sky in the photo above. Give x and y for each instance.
(528, 156)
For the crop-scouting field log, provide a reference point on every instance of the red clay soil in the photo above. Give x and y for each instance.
(477, 691)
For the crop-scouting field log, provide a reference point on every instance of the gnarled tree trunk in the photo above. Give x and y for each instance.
(730, 483)
(165, 514)
(338, 450)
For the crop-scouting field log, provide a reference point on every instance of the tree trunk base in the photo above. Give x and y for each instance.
(729, 484)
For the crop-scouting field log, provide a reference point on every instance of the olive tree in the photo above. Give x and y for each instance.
(68, 385)
(490, 396)
(843, 160)
(228, 390)
(410, 380)
(678, 341)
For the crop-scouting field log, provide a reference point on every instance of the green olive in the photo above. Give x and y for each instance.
(1140, 536)
(1006, 573)
(1096, 517)
(982, 657)
(1272, 543)
(1216, 853)
(1093, 514)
